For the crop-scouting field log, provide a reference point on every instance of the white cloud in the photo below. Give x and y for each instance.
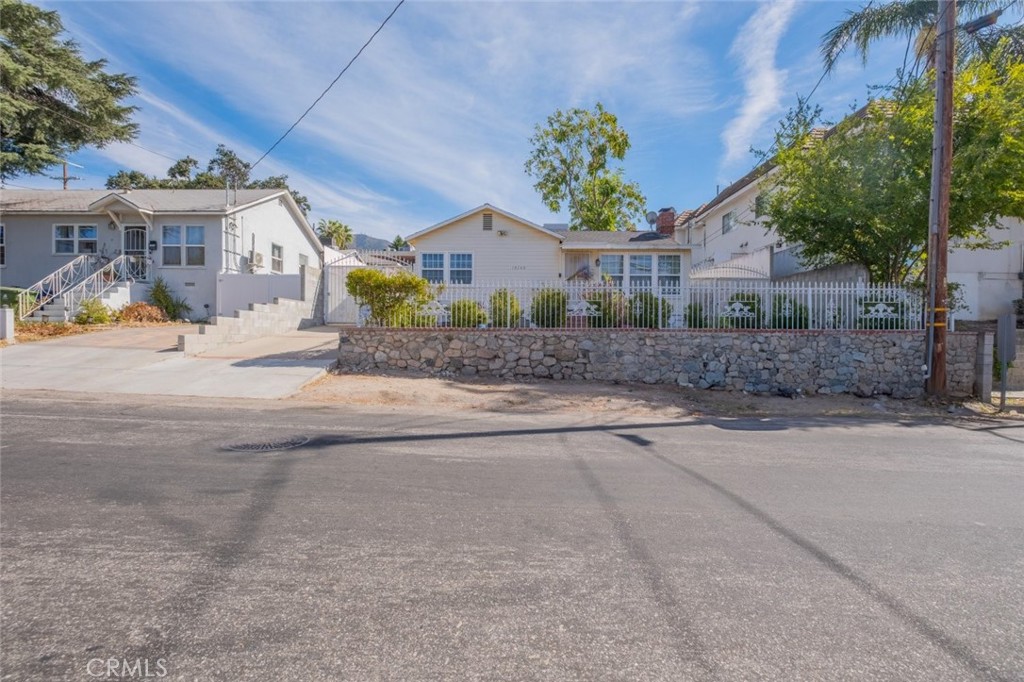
(755, 46)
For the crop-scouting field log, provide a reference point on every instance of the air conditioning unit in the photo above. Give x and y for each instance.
(255, 261)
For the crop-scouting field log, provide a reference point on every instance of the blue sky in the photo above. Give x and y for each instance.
(435, 117)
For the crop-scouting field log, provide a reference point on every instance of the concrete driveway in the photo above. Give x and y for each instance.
(146, 361)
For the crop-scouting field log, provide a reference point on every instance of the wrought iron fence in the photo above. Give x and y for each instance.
(55, 284)
(642, 304)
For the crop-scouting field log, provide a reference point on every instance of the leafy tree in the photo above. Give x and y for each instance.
(52, 101)
(225, 169)
(398, 244)
(570, 163)
(861, 194)
(917, 19)
(338, 232)
(393, 298)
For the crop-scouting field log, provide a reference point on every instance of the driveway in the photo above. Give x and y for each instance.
(146, 361)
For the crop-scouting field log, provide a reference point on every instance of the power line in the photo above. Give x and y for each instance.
(83, 124)
(328, 88)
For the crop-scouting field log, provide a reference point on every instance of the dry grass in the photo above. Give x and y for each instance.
(27, 332)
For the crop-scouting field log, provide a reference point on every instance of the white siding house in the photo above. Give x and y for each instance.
(186, 237)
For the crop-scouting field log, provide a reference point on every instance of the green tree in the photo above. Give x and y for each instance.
(393, 298)
(861, 194)
(570, 163)
(225, 169)
(53, 102)
(398, 244)
(916, 20)
(338, 232)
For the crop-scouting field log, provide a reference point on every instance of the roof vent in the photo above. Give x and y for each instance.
(488, 221)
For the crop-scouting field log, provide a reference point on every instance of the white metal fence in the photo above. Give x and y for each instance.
(638, 304)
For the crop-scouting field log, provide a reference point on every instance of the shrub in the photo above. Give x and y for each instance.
(648, 311)
(548, 308)
(408, 315)
(142, 312)
(466, 312)
(162, 297)
(787, 313)
(92, 311)
(393, 297)
(505, 309)
(744, 312)
(611, 308)
(695, 317)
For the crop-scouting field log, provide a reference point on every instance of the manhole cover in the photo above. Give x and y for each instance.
(269, 446)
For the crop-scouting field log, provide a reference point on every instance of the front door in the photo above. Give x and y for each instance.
(135, 252)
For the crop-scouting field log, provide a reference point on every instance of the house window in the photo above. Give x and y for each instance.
(612, 267)
(276, 258)
(760, 201)
(74, 239)
(640, 272)
(728, 222)
(488, 221)
(669, 269)
(460, 268)
(191, 239)
(433, 267)
(3, 247)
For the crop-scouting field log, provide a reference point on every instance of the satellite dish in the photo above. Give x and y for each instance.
(652, 218)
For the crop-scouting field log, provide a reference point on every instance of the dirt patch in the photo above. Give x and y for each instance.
(27, 332)
(490, 395)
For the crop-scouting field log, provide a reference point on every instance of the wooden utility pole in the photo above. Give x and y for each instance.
(942, 167)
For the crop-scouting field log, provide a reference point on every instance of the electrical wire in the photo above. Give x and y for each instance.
(328, 88)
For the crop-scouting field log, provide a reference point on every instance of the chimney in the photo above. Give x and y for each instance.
(666, 221)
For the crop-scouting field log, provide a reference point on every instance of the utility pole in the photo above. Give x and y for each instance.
(938, 223)
(65, 178)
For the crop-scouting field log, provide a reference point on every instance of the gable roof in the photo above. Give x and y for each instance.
(207, 201)
(479, 209)
(641, 240)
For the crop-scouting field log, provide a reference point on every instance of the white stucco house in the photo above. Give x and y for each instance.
(488, 245)
(730, 241)
(193, 239)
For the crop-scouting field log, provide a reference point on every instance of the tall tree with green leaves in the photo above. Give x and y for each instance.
(53, 102)
(916, 20)
(225, 169)
(570, 164)
(861, 194)
(398, 244)
(338, 232)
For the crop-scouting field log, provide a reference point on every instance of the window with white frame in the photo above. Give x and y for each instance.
(183, 245)
(74, 239)
(669, 272)
(641, 269)
(612, 266)
(460, 268)
(432, 268)
(276, 258)
(3, 247)
(728, 222)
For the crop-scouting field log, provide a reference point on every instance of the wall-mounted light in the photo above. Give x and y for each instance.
(111, 225)
(502, 233)
(597, 262)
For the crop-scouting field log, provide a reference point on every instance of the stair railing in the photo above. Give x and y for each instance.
(55, 284)
(117, 271)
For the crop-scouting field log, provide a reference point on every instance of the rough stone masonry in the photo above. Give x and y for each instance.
(863, 363)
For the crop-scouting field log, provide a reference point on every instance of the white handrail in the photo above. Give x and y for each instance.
(110, 275)
(55, 284)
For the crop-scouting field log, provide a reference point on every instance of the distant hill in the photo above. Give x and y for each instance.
(369, 243)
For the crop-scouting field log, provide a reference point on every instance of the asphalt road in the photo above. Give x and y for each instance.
(410, 546)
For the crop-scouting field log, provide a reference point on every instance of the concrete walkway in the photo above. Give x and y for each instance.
(146, 361)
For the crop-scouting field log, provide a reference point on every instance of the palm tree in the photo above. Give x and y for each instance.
(338, 232)
(398, 244)
(916, 20)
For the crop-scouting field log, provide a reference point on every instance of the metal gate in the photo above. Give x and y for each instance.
(339, 306)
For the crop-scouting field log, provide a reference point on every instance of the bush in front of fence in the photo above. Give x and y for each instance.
(549, 308)
(505, 309)
(743, 311)
(648, 311)
(695, 316)
(788, 313)
(410, 315)
(610, 308)
(394, 298)
(466, 312)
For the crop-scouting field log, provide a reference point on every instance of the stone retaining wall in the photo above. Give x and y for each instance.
(863, 363)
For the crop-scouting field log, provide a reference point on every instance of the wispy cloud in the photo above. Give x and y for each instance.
(755, 47)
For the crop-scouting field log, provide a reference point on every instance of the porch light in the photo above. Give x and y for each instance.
(111, 225)
(597, 262)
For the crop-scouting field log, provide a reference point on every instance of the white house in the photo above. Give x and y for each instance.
(731, 242)
(487, 245)
(189, 238)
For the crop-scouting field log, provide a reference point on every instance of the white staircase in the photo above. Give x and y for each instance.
(110, 284)
(58, 310)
